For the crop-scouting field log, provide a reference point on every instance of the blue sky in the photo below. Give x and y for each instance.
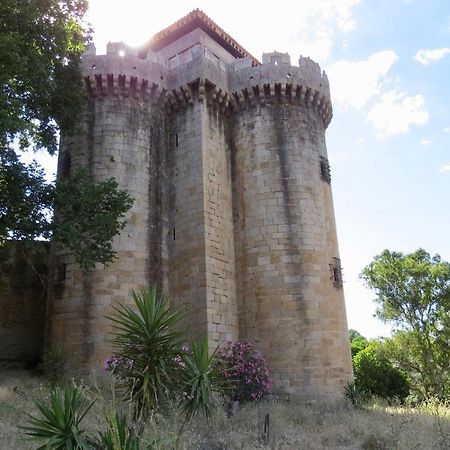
(389, 64)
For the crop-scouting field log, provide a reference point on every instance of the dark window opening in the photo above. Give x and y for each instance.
(67, 163)
(325, 172)
(336, 273)
(176, 140)
(61, 272)
(173, 233)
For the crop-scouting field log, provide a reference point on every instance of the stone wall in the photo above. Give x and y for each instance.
(289, 305)
(23, 276)
(120, 139)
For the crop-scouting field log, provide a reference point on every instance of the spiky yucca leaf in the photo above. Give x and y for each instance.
(147, 335)
(59, 424)
(200, 380)
(119, 435)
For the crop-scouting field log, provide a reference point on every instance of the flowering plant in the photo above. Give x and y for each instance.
(118, 365)
(246, 371)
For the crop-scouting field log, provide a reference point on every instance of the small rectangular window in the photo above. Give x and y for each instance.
(325, 172)
(66, 165)
(176, 140)
(336, 273)
(61, 272)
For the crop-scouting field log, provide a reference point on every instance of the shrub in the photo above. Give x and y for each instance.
(376, 375)
(246, 371)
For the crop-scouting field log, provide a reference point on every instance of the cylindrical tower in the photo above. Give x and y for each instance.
(121, 135)
(290, 296)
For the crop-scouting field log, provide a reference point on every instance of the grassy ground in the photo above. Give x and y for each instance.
(293, 425)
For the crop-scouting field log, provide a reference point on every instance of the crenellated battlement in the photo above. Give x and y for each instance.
(199, 73)
(276, 80)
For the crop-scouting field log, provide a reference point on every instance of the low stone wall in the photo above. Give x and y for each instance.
(23, 278)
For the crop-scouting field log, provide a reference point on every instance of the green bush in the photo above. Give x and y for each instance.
(374, 374)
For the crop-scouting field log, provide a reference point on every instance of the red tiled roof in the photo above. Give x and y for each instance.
(197, 19)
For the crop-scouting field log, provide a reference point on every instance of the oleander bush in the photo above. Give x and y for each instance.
(246, 371)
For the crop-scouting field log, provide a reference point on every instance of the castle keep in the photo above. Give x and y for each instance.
(233, 213)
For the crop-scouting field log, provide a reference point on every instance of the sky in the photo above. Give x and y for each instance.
(388, 62)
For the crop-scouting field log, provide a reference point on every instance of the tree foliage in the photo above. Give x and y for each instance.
(25, 199)
(375, 374)
(40, 46)
(89, 215)
(357, 342)
(413, 293)
(41, 92)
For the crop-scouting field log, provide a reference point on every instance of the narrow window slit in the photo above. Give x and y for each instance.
(325, 172)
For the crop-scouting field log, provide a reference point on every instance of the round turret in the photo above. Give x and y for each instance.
(289, 276)
(119, 136)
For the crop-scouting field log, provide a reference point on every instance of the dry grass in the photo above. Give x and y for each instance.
(293, 425)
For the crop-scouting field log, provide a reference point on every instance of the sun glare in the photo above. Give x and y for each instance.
(135, 24)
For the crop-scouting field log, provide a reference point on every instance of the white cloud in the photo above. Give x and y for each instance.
(317, 22)
(426, 142)
(427, 56)
(446, 129)
(444, 168)
(354, 83)
(396, 112)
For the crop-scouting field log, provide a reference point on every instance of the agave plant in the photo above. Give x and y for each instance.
(200, 380)
(147, 336)
(59, 425)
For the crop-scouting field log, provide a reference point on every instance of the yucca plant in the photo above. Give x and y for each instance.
(200, 380)
(58, 428)
(357, 396)
(147, 336)
(119, 435)
(54, 363)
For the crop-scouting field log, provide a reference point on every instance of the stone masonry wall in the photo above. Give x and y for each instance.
(186, 229)
(23, 277)
(220, 252)
(120, 140)
(288, 304)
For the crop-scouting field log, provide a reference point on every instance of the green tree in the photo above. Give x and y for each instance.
(89, 216)
(357, 342)
(41, 42)
(413, 293)
(40, 46)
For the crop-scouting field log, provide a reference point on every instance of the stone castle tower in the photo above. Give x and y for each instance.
(233, 214)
